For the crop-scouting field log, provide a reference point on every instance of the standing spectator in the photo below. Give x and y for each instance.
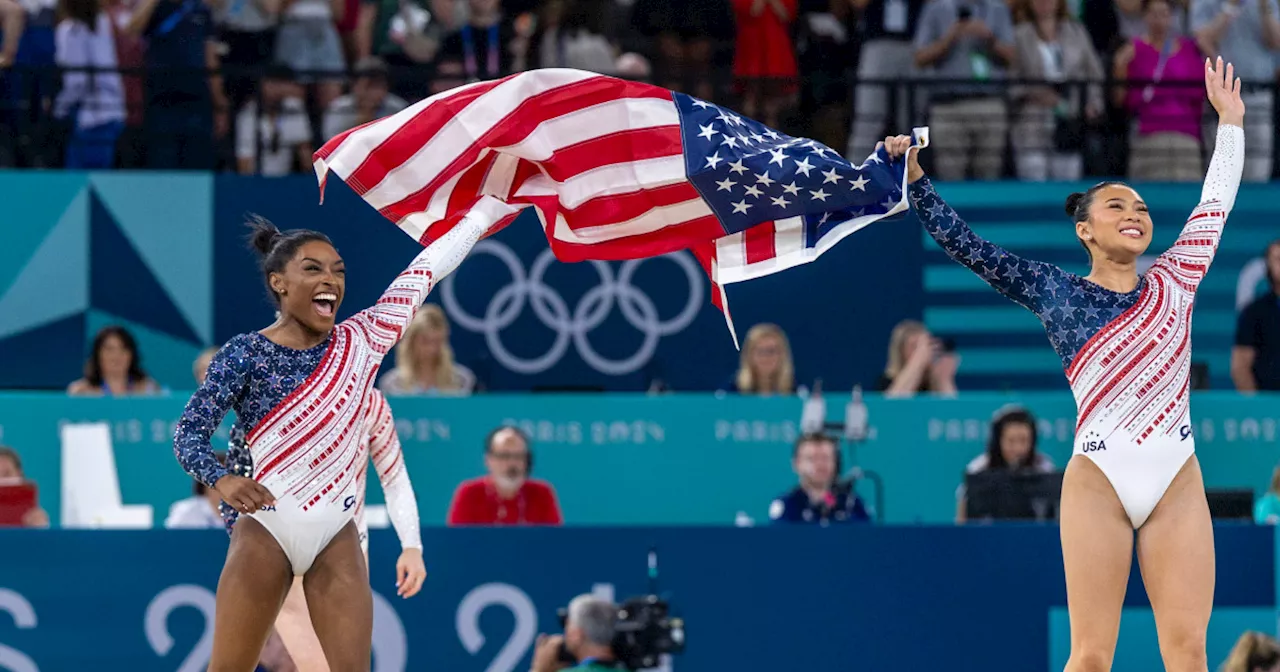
(507, 495)
(31, 84)
(917, 362)
(1255, 359)
(11, 472)
(1245, 33)
(424, 359)
(248, 28)
(686, 34)
(186, 107)
(571, 34)
(886, 28)
(1049, 130)
(765, 366)
(114, 368)
(485, 47)
(1011, 444)
(820, 497)
(370, 99)
(1167, 144)
(92, 92)
(407, 35)
(970, 40)
(275, 139)
(764, 63)
(131, 58)
(309, 44)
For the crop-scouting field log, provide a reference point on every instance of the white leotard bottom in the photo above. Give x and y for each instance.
(1141, 475)
(302, 535)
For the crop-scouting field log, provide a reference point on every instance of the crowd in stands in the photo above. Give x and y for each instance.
(1036, 89)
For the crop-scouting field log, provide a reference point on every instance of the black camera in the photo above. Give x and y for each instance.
(643, 632)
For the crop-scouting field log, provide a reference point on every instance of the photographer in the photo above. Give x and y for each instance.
(588, 637)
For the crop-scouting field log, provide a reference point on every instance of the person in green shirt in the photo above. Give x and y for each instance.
(588, 636)
(1267, 510)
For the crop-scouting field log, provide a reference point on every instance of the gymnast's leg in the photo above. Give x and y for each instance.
(1175, 552)
(341, 602)
(1097, 551)
(299, 637)
(254, 581)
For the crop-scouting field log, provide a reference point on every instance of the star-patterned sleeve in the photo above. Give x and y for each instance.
(224, 385)
(1009, 274)
(388, 460)
(1193, 251)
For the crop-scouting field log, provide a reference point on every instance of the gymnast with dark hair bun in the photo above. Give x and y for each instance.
(1125, 344)
(301, 391)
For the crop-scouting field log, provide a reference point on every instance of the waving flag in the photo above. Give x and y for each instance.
(615, 170)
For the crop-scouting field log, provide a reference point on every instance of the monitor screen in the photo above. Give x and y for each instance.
(1003, 494)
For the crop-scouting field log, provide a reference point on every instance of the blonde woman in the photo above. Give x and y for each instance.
(917, 362)
(1254, 652)
(765, 366)
(424, 360)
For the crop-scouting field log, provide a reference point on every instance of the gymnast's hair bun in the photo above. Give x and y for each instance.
(1073, 202)
(265, 235)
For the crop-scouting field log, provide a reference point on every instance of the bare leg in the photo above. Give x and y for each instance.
(1175, 552)
(1097, 551)
(294, 626)
(341, 603)
(254, 581)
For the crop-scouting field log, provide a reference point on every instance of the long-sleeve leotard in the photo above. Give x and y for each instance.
(388, 462)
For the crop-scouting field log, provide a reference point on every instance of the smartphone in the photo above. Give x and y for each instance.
(966, 13)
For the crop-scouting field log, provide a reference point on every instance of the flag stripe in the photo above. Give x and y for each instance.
(758, 241)
(619, 147)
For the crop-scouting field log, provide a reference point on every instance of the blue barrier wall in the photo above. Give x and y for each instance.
(164, 255)
(610, 456)
(762, 600)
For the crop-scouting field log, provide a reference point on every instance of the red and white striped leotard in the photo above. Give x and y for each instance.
(388, 460)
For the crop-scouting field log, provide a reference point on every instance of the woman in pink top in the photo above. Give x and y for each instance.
(1166, 146)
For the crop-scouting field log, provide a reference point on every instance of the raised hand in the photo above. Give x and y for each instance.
(896, 147)
(1223, 89)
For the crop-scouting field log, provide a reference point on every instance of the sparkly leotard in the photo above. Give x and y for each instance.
(1126, 355)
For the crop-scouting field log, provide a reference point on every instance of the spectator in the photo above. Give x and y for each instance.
(486, 47)
(1267, 509)
(186, 107)
(507, 495)
(201, 510)
(114, 368)
(201, 366)
(917, 362)
(369, 99)
(765, 366)
(1253, 652)
(424, 360)
(1245, 33)
(764, 64)
(820, 497)
(407, 35)
(275, 140)
(571, 34)
(131, 58)
(11, 472)
(1255, 359)
(886, 28)
(972, 41)
(31, 85)
(686, 34)
(12, 21)
(248, 28)
(1011, 444)
(92, 92)
(1050, 125)
(309, 44)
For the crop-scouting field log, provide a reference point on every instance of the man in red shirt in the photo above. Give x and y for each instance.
(507, 496)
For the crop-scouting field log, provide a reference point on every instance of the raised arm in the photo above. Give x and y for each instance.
(223, 386)
(388, 460)
(1009, 274)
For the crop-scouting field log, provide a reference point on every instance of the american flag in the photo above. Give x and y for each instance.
(615, 170)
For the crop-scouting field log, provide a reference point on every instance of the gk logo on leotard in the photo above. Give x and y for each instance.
(349, 502)
(1094, 446)
(595, 306)
(1185, 431)
(266, 507)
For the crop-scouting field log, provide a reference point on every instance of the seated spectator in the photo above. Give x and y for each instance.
(1253, 652)
(917, 362)
(1267, 510)
(11, 473)
(765, 365)
(1255, 359)
(92, 95)
(1167, 143)
(507, 495)
(201, 366)
(308, 43)
(1050, 129)
(114, 368)
(424, 360)
(820, 497)
(201, 510)
(1011, 445)
(277, 139)
(369, 99)
(970, 42)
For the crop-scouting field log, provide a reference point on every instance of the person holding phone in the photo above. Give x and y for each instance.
(19, 505)
(918, 362)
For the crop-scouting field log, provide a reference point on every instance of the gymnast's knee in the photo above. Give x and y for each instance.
(1088, 659)
(1185, 654)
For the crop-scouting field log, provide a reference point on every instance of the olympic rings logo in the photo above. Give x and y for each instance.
(573, 327)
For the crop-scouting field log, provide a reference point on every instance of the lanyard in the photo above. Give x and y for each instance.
(170, 22)
(469, 50)
(1158, 74)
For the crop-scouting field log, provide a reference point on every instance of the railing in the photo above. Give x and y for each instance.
(994, 129)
